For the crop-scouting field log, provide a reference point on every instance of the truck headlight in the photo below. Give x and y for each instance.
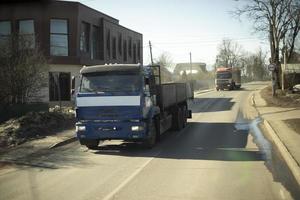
(80, 128)
(137, 128)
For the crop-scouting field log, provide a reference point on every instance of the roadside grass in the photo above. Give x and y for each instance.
(34, 125)
(282, 99)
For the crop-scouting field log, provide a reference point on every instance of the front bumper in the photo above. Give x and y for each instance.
(112, 130)
(223, 85)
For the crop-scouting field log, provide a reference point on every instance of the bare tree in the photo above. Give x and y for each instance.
(255, 66)
(229, 54)
(293, 31)
(164, 60)
(23, 69)
(277, 18)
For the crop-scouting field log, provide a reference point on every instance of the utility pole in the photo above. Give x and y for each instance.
(150, 46)
(191, 70)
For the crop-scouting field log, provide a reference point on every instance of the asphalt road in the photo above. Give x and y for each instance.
(214, 157)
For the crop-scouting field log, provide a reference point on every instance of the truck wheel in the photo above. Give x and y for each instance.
(177, 121)
(184, 117)
(92, 144)
(151, 140)
(157, 126)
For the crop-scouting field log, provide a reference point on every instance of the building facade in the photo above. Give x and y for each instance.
(70, 35)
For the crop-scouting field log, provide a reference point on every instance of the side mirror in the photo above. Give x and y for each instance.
(73, 85)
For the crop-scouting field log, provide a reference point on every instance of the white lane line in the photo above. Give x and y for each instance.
(128, 179)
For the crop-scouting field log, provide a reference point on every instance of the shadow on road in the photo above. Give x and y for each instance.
(199, 141)
(212, 104)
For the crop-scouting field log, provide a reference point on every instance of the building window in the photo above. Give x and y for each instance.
(5, 31)
(130, 47)
(95, 48)
(59, 86)
(139, 49)
(134, 53)
(120, 44)
(85, 37)
(114, 46)
(59, 37)
(125, 50)
(108, 43)
(26, 34)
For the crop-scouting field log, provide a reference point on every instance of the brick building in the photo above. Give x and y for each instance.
(70, 35)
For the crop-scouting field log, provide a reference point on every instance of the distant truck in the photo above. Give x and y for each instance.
(128, 102)
(228, 78)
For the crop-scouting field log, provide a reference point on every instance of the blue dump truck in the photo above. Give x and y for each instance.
(128, 102)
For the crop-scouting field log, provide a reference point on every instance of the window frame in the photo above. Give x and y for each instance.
(108, 43)
(114, 48)
(5, 37)
(68, 89)
(130, 47)
(25, 35)
(95, 44)
(125, 50)
(60, 34)
(87, 37)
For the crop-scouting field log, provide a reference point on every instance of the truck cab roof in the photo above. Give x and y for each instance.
(110, 68)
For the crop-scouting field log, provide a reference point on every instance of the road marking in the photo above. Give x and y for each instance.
(128, 179)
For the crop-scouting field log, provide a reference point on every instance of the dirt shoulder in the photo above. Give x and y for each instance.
(283, 99)
(294, 124)
(34, 125)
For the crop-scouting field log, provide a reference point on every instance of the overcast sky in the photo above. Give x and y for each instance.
(182, 26)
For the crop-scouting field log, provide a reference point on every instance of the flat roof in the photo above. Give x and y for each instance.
(81, 4)
(109, 68)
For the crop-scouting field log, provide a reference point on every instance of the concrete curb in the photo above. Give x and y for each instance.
(286, 155)
(62, 143)
(288, 158)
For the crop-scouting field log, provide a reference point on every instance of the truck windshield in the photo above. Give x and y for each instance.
(226, 75)
(109, 83)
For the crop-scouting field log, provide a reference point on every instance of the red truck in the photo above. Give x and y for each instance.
(228, 78)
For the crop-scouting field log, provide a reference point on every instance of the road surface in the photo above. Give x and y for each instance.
(214, 157)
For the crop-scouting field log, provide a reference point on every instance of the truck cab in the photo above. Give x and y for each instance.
(127, 102)
(228, 78)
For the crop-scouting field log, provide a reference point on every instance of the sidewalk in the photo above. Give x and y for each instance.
(276, 116)
(21, 152)
(285, 138)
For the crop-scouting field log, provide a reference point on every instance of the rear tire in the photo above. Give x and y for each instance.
(184, 115)
(177, 119)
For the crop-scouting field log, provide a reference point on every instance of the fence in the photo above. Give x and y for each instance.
(291, 75)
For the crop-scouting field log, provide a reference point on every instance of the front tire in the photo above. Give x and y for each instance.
(92, 144)
(152, 134)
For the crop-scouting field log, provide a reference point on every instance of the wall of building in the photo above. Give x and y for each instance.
(112, 36)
